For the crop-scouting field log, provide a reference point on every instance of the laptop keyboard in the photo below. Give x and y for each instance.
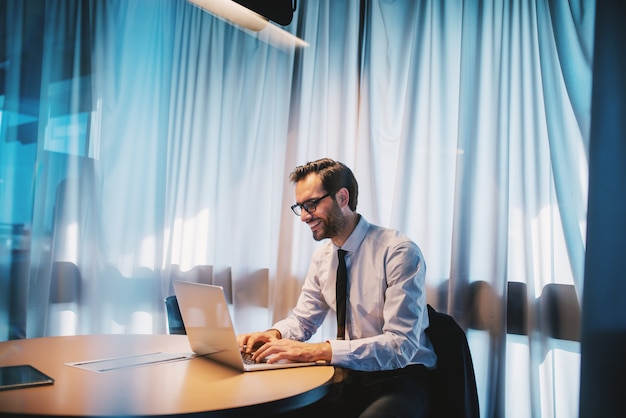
(247, 358)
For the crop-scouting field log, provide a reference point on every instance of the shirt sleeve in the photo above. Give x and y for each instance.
(404, 318)
(312, 308)
(387, 315)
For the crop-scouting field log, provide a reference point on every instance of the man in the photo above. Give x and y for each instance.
(383, 357)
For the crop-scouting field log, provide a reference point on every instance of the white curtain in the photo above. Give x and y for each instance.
(166, 137)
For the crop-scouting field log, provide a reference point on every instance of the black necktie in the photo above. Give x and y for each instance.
(342, 282)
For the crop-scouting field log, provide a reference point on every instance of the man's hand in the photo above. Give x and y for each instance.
(252, 341)
(284, 349)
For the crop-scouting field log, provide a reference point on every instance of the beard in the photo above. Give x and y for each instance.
(332, 225)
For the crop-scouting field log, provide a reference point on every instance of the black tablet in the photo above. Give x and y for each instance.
(22, 376)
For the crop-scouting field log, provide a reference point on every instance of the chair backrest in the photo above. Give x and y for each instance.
(65, 282)
(455, 393)
(175, 323)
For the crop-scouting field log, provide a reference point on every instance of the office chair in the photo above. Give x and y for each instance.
(175, 323)
(65, 282)
(454, 381)
(557, 311)
(64, 298)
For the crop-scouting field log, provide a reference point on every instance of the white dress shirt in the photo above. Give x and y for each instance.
(386, 311)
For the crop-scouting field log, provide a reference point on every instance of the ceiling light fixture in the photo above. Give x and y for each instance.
(253, 22)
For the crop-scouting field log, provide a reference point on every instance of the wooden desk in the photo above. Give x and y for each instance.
(191, 386)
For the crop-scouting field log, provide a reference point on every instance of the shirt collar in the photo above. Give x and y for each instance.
(356, 237)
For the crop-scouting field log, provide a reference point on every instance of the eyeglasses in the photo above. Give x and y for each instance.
(309, 205)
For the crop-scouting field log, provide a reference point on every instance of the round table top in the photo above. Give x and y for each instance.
(195, 385)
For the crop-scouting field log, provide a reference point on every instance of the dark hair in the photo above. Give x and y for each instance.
(333, 174)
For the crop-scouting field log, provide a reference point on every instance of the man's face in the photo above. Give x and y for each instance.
(327, 221)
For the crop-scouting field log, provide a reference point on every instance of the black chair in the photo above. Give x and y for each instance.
(175, 323)
(454, 381)
(557, 311)
(65, 282)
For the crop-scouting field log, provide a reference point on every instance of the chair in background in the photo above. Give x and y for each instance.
(455, 393)
(516, 308)
(560, 312)
(65, 282)
(64, 298)
(557, 312)
(175, 323)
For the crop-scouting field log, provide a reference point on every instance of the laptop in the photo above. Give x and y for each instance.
(210, 329)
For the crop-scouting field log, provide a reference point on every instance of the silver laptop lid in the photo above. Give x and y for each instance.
(207, 322)
(210, 329)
